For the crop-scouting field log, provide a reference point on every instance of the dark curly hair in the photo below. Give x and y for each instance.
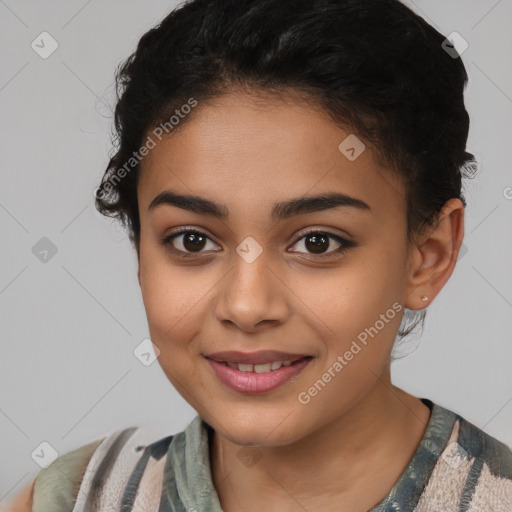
(371, 65)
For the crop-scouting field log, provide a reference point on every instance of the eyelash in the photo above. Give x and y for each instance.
(345, 244)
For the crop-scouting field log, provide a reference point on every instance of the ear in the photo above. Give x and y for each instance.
(433, 256)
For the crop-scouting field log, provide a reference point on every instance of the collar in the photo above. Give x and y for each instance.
(188, 481)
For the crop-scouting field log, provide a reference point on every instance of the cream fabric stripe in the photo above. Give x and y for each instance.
(447, 480)
(491, 493)
(98, 490)
(94, 463)
(121, 469)
(113, 488)
(150, 487)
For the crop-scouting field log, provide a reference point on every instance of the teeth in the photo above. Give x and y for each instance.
(258, 368)
(262, 368)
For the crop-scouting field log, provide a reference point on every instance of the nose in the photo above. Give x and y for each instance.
(252, 296)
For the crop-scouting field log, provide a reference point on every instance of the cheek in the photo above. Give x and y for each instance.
(357, 319)
(171, 295)
(172, 300)
(357, 313)
(343, 302)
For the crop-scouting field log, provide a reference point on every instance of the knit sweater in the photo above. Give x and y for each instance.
(456, 468)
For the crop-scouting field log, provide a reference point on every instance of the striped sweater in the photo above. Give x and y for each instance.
(456, 468)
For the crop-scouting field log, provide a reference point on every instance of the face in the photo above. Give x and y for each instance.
(253, 279)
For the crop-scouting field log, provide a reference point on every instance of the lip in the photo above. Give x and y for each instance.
(260, 357)
(252, 383)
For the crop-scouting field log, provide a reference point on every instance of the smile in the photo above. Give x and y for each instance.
(258, 378)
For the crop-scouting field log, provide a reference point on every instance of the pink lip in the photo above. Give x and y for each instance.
(250, 382)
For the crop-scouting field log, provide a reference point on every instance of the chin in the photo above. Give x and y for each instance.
(257, 431)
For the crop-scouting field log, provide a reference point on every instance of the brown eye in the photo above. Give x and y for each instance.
(318, 243)
(193, 241)
(187, 241)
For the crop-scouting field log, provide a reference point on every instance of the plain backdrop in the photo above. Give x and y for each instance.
(71, 317)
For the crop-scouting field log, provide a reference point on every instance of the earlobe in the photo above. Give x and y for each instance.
(434, 258)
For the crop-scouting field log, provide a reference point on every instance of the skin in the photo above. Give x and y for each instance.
(23, 501)
(356, 436)
(346, 448)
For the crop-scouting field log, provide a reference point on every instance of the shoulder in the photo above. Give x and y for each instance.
(77, 478)
(474, 470)
(54, 486)
(488, 484)
(486, 449)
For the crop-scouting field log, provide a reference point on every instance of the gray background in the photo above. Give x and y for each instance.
(69, 325)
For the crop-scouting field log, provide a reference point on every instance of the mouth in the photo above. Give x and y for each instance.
(263, 367)
(257, 372)
(262, 357)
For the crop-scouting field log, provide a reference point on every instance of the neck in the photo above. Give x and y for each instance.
(350, 462)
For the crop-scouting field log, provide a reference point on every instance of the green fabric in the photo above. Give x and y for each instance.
(56, 486)
(188, 485)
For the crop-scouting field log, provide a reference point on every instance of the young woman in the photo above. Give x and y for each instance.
(290, 175)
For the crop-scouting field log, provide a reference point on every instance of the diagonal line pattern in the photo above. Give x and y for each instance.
(87, 86)
(14, 76)
(14, 218)
(13, 279)
(503, 407)
(486, 14)
(491, 285)
(13, 486)
(390, 387)
(74, 218)
(96, 300)
(492, 81)
(432, 22)
(492, 211)
(280, 423)
(16, 425)
(104, 395)
(76, 14)
(14, 14)
(286, 491)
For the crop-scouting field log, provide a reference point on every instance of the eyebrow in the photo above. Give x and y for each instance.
(280, 211)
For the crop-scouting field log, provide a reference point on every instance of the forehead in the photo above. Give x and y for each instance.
(243, 149)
